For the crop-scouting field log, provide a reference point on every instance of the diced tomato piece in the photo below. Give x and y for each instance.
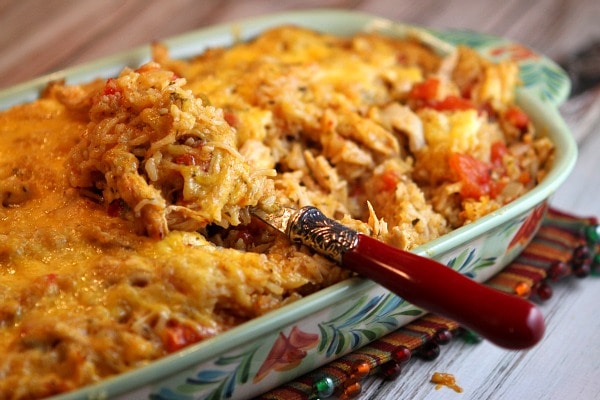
(111, 87)
(517, 117)
(426, 90)
(389, 180)
(453, 103)
(177, 336)
(230, 118)
(496, 188)
(185, 159)
(473, 173)
(498, 151)
(525, 177)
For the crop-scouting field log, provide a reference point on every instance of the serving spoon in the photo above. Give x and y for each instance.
(504, 319)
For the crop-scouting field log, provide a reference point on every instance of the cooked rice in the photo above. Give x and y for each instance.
(126, 228)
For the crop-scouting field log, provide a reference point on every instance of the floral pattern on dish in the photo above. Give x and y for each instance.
(540, 75)
(252, 364)
(337, 331)
(351, 325)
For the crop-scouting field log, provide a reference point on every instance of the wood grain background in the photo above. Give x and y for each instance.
(43, 36)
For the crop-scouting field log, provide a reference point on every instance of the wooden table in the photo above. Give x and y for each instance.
(38, 37)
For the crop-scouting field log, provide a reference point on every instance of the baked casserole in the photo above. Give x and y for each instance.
(126, 233)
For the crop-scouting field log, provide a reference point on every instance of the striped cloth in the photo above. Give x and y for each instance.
(565, 245)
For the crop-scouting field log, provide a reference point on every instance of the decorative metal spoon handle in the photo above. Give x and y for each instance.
(504, 319)
(309, 226)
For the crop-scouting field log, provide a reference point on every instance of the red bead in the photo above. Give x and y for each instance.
(581, 255)
(581, 271)
(557, 270)
(443, 336)
(390, 370)
(401, 354)
(429, 351)
(543, 290)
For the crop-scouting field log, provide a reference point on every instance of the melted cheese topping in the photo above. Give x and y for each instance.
(89, 290)
(83, 295)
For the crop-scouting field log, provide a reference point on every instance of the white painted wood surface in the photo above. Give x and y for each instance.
(38, 37)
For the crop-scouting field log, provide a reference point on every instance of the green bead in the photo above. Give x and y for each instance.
(471, 337)
(592, 234)
(324, 386)
(596, 265)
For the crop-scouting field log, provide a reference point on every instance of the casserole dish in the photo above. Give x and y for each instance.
(348, 315)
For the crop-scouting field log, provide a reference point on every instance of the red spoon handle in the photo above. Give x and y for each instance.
(504, 319)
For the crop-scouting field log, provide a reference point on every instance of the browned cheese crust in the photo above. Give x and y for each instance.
(126, 233)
